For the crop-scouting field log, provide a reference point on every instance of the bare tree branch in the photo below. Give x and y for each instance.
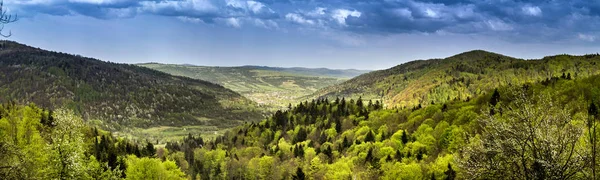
(5, 19)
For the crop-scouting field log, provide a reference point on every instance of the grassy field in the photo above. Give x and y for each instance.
(162, 134)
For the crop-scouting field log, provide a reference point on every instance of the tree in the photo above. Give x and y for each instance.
(301, 135)
(370, 137)
(495, 98)
(534, 140)
(5, 19)
(151, 168)
(299, 174)
(345, 143)
(68, 146)
(398, 156)
(22, 148)
(404, 137)
(592, 136)
(450, 173)
(149, 149)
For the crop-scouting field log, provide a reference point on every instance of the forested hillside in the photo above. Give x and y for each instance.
(274, 88)
(44, 144)
(541, 130)
(459, 77)
(544, 129)
(116, 96)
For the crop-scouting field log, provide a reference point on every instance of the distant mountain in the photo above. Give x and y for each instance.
(458, 77)
(273, 87)
(320, 72)
(116, 95)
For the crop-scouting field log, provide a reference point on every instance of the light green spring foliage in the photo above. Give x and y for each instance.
(152, 169)
(97, 170)
(67, 158)
(22, 148)
(424, 143)
(38, 144)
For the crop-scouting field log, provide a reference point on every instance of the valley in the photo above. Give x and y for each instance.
(435, 118)
(118, 97)
(299, 90)
(272, 88)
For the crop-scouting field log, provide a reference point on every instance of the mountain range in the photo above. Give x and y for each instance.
(478, 115)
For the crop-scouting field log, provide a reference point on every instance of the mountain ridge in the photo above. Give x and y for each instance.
(116, 94)
(460, 76)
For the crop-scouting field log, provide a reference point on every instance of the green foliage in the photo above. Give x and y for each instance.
(460, 77)
(67, 147)
(119, 95)
(42, 144)
(428, 142)
(22, 147)
(149, 168)
(538, 129)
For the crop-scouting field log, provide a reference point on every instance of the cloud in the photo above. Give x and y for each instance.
(586, 37)
(340, 15)
(499, 25)
(233, 22)
(297, 18)
(208, 11)
(532, 10)
(267, 24)
(317, 12)
(516, 19)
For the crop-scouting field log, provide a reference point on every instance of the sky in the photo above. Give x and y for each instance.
(339, 34)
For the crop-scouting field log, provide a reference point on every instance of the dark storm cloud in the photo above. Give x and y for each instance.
(544, 20)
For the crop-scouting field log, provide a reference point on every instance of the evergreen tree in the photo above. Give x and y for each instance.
(398, 156)
(301, 136)
(299, 174)
(370, 137)
(450, 173)
(495, 98)
(404, 137)
(591, 125)
(369, 157)
(345, 143)
(149, 150)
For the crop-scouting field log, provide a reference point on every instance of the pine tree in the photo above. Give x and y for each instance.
(404, 137)
(150, 151)
(369, 137)
(398, 156)
(450, 173)
(301, 136)
(591, 125)
(299, 174)
(345, 143)
(369, 157)
(495, 98)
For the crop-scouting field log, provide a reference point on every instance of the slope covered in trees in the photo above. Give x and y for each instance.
(116, 95)
(459, 77)
(540, 130)
(43, 144)
(272, 87)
